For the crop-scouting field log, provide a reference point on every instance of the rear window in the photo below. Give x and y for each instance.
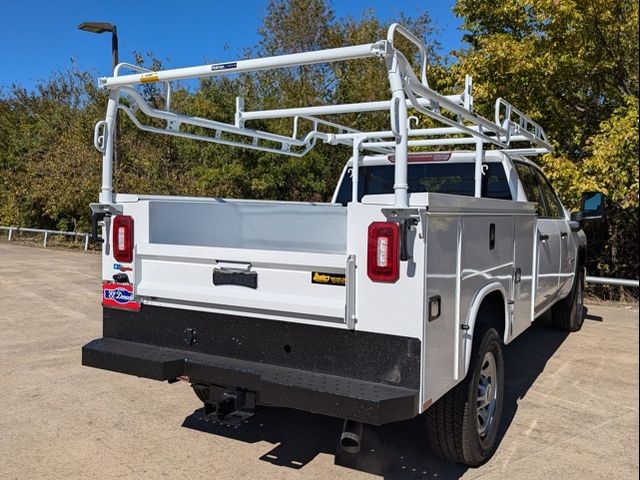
(451, 178)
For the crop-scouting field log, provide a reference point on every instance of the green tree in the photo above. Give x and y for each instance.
(570, 63)
(46, 168)
(573, 66)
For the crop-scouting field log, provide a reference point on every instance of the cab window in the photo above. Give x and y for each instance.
(531, 188)
(554, 207)
(451, 178)
(538, 189)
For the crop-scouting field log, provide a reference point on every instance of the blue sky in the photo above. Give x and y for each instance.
(40, 36)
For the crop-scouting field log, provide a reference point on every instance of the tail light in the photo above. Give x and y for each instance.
(383, 252)
(123, 238)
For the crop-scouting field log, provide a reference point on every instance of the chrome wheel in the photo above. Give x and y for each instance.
(487, 394)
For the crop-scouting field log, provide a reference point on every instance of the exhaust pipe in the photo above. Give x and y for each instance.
(351, 437)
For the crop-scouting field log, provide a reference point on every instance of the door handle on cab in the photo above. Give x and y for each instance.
(543, 237)
(563, 234)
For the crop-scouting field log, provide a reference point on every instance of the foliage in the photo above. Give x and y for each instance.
(567, 63)
(48, 173)
(571, 65)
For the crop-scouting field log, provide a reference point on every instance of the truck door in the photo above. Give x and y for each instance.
(548, 238)
(548, 262)
(567, 243)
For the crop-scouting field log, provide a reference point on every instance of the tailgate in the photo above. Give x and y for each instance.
(287, 284)
(282, 260)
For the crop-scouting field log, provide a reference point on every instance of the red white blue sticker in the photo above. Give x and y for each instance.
(119, 295)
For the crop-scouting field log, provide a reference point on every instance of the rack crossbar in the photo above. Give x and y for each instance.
(251, 65)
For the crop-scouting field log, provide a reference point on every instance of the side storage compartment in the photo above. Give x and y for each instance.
(473, 246)
(441, 311)
(487, 259)
(523, 281)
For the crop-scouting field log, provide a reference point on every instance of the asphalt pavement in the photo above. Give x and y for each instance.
(571, 406)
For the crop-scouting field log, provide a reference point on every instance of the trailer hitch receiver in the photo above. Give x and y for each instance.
(225, 406)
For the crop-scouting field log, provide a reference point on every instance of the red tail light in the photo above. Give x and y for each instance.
(123, 238)
(383, 252)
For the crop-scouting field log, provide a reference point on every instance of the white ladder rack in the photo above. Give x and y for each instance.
(461, 125)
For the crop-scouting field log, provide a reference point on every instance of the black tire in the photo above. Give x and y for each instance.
(454, 429)
(568, 314)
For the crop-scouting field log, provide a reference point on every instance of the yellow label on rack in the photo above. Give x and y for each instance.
(149, 77)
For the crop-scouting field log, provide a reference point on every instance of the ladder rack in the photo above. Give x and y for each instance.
(461, 125)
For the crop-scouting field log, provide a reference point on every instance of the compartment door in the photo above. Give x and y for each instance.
(441, 334)
(522, 282)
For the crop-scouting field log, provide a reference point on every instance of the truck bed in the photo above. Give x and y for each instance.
(260, 225)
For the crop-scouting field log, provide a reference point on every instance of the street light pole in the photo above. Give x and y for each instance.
(102, 27)
(114, 47)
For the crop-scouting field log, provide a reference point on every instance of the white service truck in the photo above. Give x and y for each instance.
(393, 300)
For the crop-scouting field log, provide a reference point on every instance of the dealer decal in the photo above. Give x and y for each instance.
(223, 66)
(328, 278)
(119, 295)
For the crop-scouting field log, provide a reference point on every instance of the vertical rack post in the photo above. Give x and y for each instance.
(399, 128)
(477, 177)
(106, 191)
(355, 169)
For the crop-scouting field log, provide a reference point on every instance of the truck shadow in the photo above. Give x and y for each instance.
(395, 451)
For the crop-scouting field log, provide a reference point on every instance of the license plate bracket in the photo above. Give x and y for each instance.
(241, 279)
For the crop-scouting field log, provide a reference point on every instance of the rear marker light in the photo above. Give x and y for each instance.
(123, 238)
(383, 252)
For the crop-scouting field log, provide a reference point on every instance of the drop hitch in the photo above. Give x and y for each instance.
(224, 406)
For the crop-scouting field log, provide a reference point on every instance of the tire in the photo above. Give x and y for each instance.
(456, 431)
(568, 314)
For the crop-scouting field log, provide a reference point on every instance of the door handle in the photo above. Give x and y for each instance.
(543, 237)
(563, 234)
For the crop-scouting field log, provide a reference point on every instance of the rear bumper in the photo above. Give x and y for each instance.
(364, 376)
(358, 400)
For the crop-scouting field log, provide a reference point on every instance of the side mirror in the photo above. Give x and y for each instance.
(592, 208)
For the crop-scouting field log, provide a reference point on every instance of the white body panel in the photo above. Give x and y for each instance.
(449, 249)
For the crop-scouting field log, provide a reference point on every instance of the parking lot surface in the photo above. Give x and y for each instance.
(571, 406)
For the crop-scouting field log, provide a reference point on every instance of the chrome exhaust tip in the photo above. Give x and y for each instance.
(351, 437)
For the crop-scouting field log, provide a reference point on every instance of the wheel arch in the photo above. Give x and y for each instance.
(489, 307)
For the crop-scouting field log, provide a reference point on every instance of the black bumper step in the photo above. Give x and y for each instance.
(332, 395)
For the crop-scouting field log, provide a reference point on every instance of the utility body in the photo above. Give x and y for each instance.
(392, 300)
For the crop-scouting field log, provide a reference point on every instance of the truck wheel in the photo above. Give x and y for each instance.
(463, 425)
(568, 313)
